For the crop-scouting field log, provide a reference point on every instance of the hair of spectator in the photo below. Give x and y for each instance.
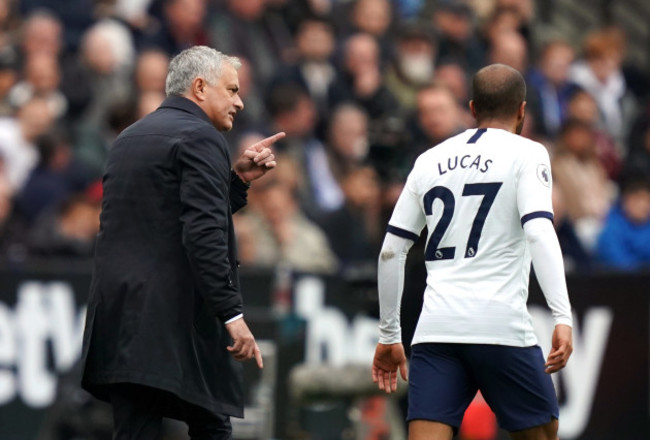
(49, 142)
(437, 86)
(604, 43)
(41, 14)
(635, 182)
(197, 61)
(345, 108)
(314, 19)
(498, 91)
(284, 98)
(554, 43)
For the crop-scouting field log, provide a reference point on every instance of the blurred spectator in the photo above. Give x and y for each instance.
(9, 22)
(75, 15)
(17, 137)
(354, 230)
(313, 68)
(512, 16)
(243, 28)
(413, 64)
(373, 17)
(182, 26)
(148, 102)
(293, 12)
(347, 148)
(458, 41)
(438, 118)
(576, 257)
(600, 74)
(509, 48)
(293, 111)
(107, 55)
(42, 32)
(133, 12)
(409, 9)
(549, 88)
(68, 230)
(637, 162)
(42, 78)
(283, 234)
(347, 139)
(151, 70)
(583, 107)
(55, 178)
(13, 231)
(92, 142)
(624, 242)
(8, 78)
(453, 76)
(361, 79)
(582, 179)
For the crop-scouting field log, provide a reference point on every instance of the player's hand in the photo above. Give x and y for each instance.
(243, 345)
(388, 359)
(562, 347)
(257, 159)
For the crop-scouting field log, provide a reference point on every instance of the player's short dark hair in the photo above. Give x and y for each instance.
(498, 91)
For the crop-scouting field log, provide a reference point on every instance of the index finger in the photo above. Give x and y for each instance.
(258, 357)
(267, 142)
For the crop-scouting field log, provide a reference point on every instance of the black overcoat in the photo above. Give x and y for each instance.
(165, 272)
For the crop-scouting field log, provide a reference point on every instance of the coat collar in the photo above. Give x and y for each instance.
(182, 103)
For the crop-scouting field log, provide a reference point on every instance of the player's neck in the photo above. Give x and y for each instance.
(510, 126)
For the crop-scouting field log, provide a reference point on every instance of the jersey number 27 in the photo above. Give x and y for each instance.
(487, 190)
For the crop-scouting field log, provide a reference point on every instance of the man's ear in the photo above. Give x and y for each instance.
(521, 113)
(198, 88)
(472, 109)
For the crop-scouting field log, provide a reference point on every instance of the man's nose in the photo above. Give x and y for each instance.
(239, 104)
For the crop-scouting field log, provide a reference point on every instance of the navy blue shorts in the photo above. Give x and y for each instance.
(444, 378)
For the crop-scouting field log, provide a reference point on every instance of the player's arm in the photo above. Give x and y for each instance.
(549, 270)
(535, 206)
(389, 356)
(390, 284)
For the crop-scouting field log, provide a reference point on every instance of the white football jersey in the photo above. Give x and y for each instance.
(474, 192)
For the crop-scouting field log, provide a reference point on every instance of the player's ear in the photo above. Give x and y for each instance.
(521, 113)
(471, 108)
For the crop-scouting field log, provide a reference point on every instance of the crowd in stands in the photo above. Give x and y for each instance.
(360, 87)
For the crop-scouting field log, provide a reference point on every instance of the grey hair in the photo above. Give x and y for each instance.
(191, 63)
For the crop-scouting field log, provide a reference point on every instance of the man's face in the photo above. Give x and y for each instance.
(438, 113)
(223, 100)
(556, 63)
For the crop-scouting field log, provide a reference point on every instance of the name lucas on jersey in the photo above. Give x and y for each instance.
(465, 162)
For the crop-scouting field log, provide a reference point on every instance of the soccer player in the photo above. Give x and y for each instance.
(485, 197)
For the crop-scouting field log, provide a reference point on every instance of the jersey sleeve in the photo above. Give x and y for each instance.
(534, 186)
(408, 219)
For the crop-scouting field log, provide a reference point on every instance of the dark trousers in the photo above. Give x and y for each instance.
(138, 412)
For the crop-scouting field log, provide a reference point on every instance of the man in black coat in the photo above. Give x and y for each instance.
(164, 324)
